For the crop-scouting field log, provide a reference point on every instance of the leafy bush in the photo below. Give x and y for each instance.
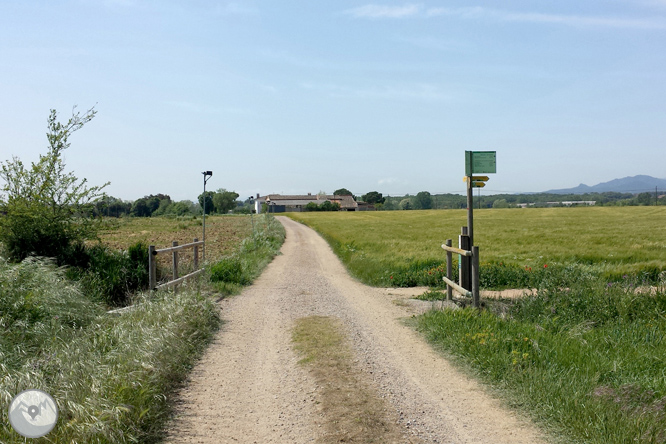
(111, 276)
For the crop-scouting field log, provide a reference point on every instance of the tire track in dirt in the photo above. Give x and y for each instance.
(248, 387)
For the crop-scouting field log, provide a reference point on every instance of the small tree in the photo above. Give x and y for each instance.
(342, 192)
(224, 200)
(48, 210)
(209, 201)
(405, 204)
(423, 201)
(373, 197)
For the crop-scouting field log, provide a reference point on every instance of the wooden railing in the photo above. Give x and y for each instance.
(450, 284)
(174, 249)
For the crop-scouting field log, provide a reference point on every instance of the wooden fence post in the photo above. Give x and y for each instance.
(475, 277)
(175, 264)
(152, 268)
(449, 259)
(196, 254)
(465, 267)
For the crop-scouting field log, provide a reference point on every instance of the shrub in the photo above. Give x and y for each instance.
(111, 276)
(229, 270)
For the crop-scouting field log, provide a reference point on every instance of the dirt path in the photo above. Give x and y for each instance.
(248, 388)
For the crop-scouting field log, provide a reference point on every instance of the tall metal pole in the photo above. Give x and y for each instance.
(206, 175)
(203, 248)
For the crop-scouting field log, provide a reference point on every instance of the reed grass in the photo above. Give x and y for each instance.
(112, 376)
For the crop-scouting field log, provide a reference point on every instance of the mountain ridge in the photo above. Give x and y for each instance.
(629, 184)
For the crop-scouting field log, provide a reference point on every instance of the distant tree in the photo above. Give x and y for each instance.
(373, 197)
(326, 206)
(181, 208)
(163, 208)
(224, 200)
(389, 204)
(645, 199)
(210, 206)
(140, 208)
(342, 192)
(423, 201)
(406, 204)
(329, 206)
(110, 206)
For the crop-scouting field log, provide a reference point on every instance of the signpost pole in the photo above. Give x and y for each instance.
(470, 211)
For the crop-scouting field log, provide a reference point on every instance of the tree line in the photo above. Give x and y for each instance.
(217, 202)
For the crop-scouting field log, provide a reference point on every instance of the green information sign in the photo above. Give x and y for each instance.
(480, 162)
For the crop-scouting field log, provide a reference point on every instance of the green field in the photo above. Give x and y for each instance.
(608, 241)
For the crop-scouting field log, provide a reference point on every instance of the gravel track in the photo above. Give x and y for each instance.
(249, 388)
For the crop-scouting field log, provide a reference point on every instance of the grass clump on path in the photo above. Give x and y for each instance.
(587, 361)
(352, 410)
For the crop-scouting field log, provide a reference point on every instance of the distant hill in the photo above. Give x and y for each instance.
(635, 184)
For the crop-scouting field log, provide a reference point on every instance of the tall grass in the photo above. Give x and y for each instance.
(587, 361)
(111, 376)
(232, 272)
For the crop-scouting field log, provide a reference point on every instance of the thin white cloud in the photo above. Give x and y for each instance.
(383, 11)
(374, 11)
(535, 17)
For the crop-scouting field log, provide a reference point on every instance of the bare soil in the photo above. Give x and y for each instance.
(249, 387)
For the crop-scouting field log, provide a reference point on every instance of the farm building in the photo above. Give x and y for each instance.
(297, 203)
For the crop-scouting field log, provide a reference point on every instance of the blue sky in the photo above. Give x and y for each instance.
(300, 96)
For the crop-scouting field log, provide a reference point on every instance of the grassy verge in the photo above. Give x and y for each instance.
(230, 273)
(352, 410)
(519, 247)
(587, 361)
(111, 376)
